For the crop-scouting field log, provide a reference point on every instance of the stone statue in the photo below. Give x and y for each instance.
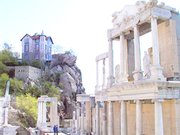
(146, 65)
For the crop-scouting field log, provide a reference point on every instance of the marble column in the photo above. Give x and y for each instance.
(123, 59)
(54, 118)
(73, 126)
(94, 121)
(137, 74)
(111, 64)
(123, 118)
(177, 116)
(104, 119)
(44, 111)
(110, 118)
(159, 130)
(39, 119)
(78, 118)
(156, 69)
(82, 118)
(138, 118)
(104, 73)
(97, 118)
(97, 75)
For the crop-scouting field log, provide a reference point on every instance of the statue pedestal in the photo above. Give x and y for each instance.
(8, 130)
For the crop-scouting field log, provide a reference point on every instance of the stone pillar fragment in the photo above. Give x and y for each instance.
(104, 73)
(110, 119)
(104, 119)
(82, 118)
(177, 116)
(44, 111)
(54, 118)
(97, 119)
(97, 74)
(137, 73)
(159, 130)
(123, 59)
(156, 69)
(111, 71)
(123, 118)
(138, 118)
(78, 118)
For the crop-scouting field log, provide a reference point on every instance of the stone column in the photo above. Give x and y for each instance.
(110, 119)
(123, 118)
(156, 69)
(44, 111)
(97, 75)
(82, 118)
(97, 119)
(177, 116)
(137, 74)
(94, 121)
(54, 118)
(104, 73)
(74, 123)
(78, 118)
(123, 59)
(110, 56)
(138, 118)
(39, 119)
(104, 119)
(159, 130)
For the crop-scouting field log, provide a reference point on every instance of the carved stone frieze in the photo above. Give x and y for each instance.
(131, 15)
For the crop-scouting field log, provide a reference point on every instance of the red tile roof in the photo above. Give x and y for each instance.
(34, 37)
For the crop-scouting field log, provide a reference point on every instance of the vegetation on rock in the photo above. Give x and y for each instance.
(28, 104)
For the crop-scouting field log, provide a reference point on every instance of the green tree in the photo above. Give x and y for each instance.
(50, 90)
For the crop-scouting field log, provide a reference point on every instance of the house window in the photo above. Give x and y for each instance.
(26, 56)
(26, 47)
(37, 41)
(26, 41)
(37, 47)
(37, 56)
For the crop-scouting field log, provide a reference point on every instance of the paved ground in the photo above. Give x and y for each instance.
(54, 134)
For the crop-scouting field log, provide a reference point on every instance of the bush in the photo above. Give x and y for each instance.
(27, 104)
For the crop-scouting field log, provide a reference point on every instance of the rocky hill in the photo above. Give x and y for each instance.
(63, 72)
(63, 68)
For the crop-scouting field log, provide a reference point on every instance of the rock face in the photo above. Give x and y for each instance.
(66, 74)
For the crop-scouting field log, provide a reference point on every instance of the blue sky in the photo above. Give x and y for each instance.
(79, 25)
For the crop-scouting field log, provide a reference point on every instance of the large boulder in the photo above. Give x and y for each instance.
(64, 73)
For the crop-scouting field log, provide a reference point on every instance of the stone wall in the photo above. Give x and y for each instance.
(24, 72)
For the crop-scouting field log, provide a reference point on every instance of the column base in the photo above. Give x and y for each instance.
(157, 73)
(123, 78)
(137, 75)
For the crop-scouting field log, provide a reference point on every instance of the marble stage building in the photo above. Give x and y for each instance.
(132, 101)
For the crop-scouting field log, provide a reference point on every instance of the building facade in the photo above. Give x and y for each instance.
(132, 101)
(36, 48)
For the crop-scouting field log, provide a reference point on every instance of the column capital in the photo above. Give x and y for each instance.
(135, 25)
(137, 100)
(154, 17)
(122, 33)
(158, 100)
(177, 101)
